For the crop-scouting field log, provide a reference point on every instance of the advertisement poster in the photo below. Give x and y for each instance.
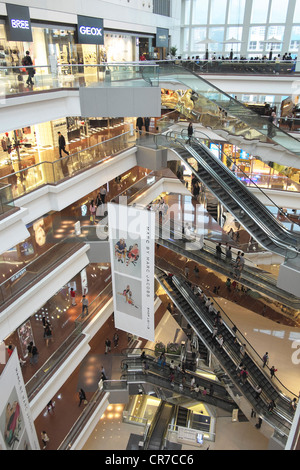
(132, 237)
(17, 431)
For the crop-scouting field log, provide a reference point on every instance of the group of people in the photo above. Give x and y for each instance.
(142, 122)
(97, 206)
(160, 207)
(239, 261)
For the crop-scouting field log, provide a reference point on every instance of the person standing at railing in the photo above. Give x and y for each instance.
(139, 124)
(62, 145)
(147, 124)
(190, 132)
(27, 61)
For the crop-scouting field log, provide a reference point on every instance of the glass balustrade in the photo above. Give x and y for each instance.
(250, 67)
(31, 272)
(13, 80)
(23, 182)
(205, 103)
(36, 383)
(6, 198)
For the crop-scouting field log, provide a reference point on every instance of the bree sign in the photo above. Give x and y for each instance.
(18, 25)
(90, 30)
(22, 24)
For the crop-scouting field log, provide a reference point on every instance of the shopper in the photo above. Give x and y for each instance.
(147, 124)
(93, 209)
(228, 254)
(265, 359)
(85, 305)
(271, 406)
(219, 251)
(32, 353)
(27, 62)
(186, 272)
(190, 132)
(272, 371)
(139, 124)
(45, 439)
(82, 397)
(258, 391)
(48, 333)
(73, 296)
(103, 194)
(62, 145)
(116, 340)
(107, 345)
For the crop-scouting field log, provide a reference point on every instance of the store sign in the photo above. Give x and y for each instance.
(90, 30)
(162, 37)
(18, 24)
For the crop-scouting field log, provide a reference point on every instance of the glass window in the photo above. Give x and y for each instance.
(218, 11)
(198, 34)
(297, 12)
(295, 38)
(200, 11)
(186, 38)
(259, 11)
(236, 33)
(187, 12)
(278, 11)
(236, 11)
(216, 34)
(276, 32)
(256, 36)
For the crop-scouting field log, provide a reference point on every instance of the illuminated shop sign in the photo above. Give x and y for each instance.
(90, 30)
(18, 24)
(162, 37)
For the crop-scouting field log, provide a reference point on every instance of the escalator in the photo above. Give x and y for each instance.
(205, 103)
(158, 428)
(229, 355)
(159, 376)
(251, 277)
(236, 197)
(182, 416)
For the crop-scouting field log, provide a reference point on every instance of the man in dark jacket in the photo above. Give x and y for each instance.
(27, 61)
(139, 124)
(62, 145)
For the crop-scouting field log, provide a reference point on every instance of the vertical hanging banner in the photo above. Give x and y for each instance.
(17, 431)
(132, 244)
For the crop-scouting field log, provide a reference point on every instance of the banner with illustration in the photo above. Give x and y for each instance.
(132, 243)
(17, 431)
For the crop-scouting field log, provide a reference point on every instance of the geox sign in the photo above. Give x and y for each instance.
(90, 30)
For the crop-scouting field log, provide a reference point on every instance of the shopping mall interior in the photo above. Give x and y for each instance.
(149, 168)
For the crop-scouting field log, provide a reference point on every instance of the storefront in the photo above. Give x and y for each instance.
(66, 45)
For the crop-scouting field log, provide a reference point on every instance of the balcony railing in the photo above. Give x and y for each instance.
(25, 181)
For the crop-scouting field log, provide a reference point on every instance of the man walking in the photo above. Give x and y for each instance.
(27, 62)
(62, 145)
(85, 304)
